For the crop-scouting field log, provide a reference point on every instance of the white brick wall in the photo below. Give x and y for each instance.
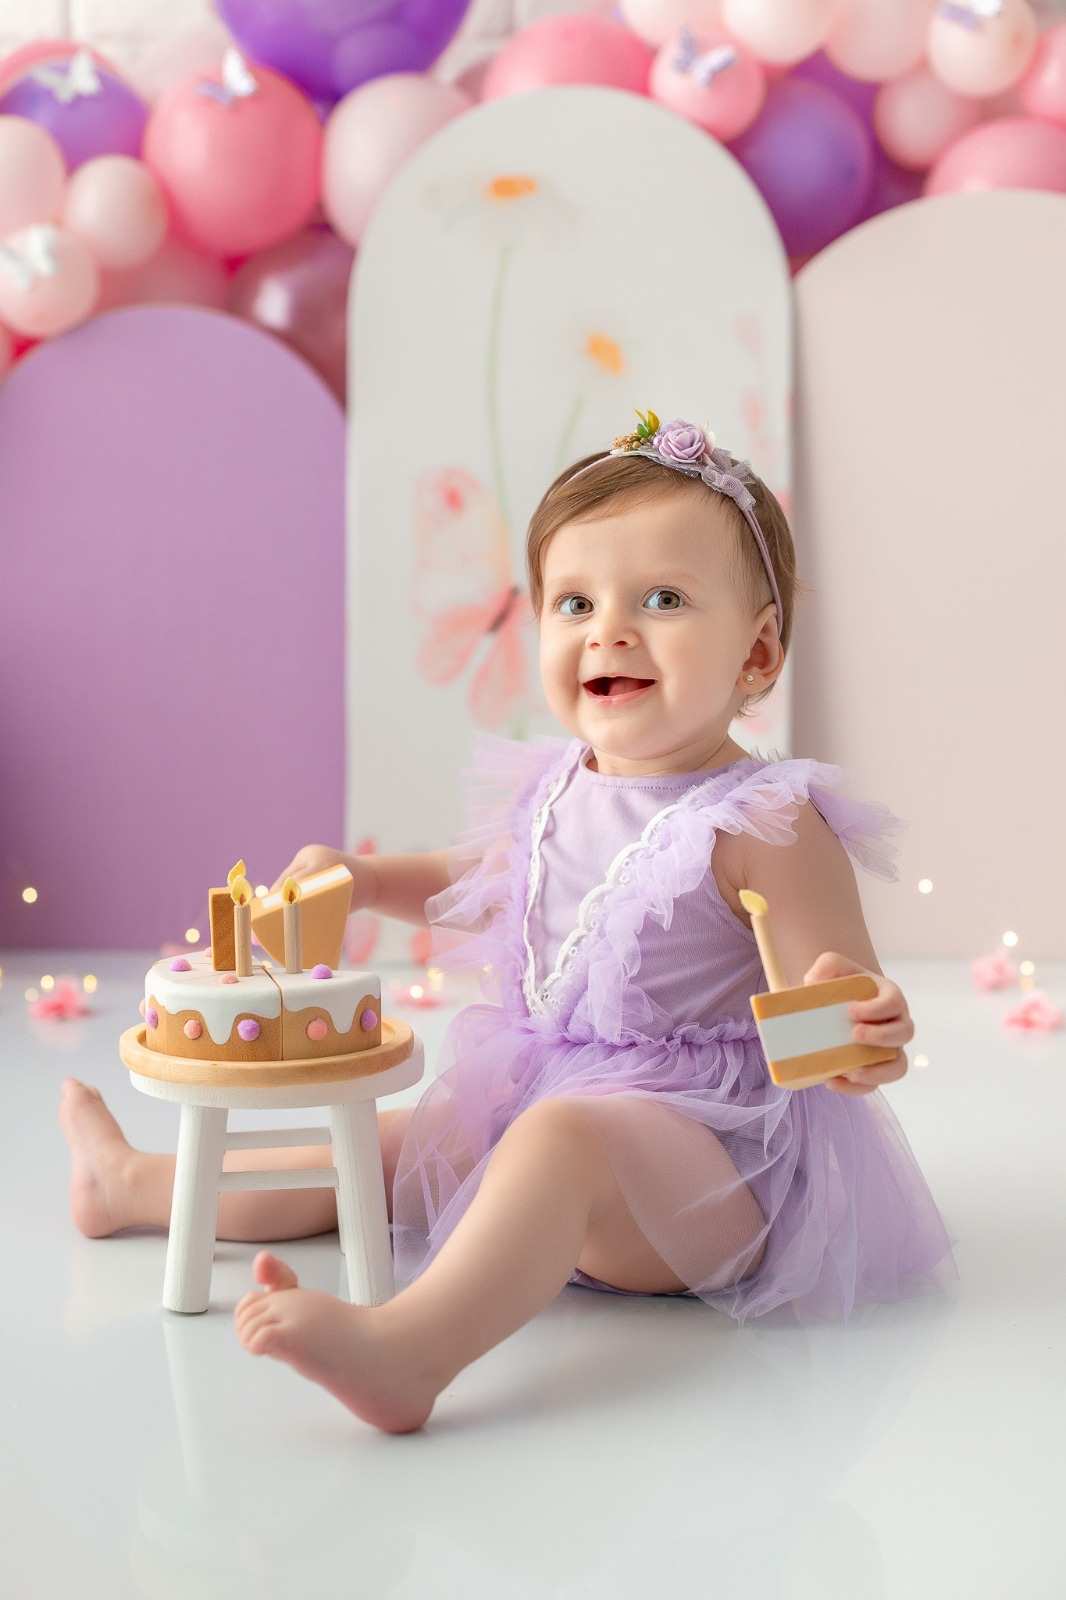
(138, 34)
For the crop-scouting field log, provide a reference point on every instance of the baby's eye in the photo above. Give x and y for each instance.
(568, 601)
(671, 600)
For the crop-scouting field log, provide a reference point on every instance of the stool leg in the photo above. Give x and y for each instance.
(362, 1214)
(194, 1208)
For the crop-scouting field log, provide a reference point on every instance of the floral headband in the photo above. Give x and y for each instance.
(683, 447)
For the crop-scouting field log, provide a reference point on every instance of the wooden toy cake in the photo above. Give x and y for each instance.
(221, 1005)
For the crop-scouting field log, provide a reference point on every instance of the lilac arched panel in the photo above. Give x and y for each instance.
(171, 623)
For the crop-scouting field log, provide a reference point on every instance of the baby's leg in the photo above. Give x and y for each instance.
(114, 1186)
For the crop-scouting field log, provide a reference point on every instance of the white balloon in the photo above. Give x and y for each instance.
(880, 39)
(781, 31)
(657, 20)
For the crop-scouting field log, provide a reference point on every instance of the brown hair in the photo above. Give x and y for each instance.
(634, 479)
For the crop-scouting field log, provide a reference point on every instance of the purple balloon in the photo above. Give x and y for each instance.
(84, 121)
(819, 69)
(331, 46)
(298, 291)
(812, 159)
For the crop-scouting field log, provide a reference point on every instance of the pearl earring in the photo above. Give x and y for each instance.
(749, 677)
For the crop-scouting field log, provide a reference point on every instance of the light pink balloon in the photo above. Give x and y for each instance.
(728, 102)
(33, 175)
(176, 275)
(917, 117)
(879, 39)
(369, 136)
(656, 21)
(1042, 92)
(115, 204)
(48, 280)
(1014, 153)
(985, 59)
(781, 31)
(240, 169)
(570, 49)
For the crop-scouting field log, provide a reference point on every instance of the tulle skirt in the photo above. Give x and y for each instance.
(848, 1218)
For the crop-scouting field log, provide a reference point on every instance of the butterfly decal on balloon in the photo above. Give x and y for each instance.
(238, 81)
(971, 13)
(474, 616)
(34, 256)
(702, 66)
(70, 81)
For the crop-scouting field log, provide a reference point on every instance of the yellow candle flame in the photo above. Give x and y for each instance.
(291, 891)
(234, 873)
(240, 891)
(753, 903)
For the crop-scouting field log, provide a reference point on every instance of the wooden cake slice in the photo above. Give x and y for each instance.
(324, 901)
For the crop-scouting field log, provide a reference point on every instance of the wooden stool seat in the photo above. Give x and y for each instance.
(350, 1085)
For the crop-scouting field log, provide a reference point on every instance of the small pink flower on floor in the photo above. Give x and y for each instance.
(995, 971)
(61, 1003)
(1035, 1014)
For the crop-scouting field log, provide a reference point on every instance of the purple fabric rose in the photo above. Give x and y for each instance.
(682, 441)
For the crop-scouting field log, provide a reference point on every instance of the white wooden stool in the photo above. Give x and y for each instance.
(207, 1091)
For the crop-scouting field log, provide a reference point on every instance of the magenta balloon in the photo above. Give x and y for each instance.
(299, 291)
(331, 46)
(811, 157)
(819, 69)
(108, 121)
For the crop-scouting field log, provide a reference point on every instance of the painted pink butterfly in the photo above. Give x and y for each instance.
(466, 596)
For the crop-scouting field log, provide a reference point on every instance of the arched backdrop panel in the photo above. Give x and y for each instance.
(171, 623)
(542, 266)
(931, 419)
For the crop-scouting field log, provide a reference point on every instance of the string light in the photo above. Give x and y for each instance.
(925, 885)
(921, 1061)
(436, 978)
(261, 889)
(89, 983)
(1010, 939)
(48, 982)
(29, 895)
(31, 995)
(192, 936)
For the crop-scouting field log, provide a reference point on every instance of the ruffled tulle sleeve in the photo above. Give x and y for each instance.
(500, 788)
(768, 804)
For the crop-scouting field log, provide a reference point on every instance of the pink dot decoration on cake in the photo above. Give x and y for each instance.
(321, 971)
(316, 1029)
(193, 1029)
(368, 1020)
(229, 977)
(179, 964)
(248, 1029)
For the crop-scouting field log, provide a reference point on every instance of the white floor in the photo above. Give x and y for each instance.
(613, 1447)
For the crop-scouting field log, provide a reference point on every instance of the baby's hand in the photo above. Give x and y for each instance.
(882, 1020)
(312, 858)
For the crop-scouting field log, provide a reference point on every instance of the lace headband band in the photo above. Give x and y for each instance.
(683, 447)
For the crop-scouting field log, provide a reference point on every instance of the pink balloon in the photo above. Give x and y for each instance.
(710, 80)
(34, 175)
(115, 204)
(48, 280)
(782, 31)
(7, 351)
(298, 291)
(176, 275)
(1042, 92)
(917, 117)
(656, 21)
(1013, 153)
(570, 49)
(985, 58)
(240, 168)
(19, 62)
(369, 136)
(879, 39)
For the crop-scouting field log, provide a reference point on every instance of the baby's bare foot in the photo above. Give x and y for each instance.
(100, 1156)
(342, 1347)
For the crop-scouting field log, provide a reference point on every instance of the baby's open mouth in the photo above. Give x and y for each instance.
(615, 688)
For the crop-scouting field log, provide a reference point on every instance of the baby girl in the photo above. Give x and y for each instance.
(605, 1118)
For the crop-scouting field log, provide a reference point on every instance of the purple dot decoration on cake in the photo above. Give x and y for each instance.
(248, 1029)
(179, 964)
(369, 1020)
(151, 1016)
(321, 971)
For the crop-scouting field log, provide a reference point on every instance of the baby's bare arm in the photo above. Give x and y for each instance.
(399, 886)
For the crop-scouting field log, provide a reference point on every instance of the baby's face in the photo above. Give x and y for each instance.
(643, 636)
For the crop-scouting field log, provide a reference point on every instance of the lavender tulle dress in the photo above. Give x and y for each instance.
(616, 968)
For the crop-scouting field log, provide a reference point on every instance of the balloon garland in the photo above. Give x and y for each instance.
(247, 184)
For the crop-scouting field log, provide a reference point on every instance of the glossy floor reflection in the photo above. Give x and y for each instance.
(612, 1447)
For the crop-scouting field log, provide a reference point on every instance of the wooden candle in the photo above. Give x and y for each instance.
(290, 894)
(241, 893)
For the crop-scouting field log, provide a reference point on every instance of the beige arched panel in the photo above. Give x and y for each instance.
(931, 520)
